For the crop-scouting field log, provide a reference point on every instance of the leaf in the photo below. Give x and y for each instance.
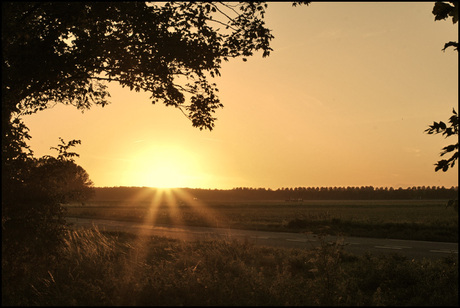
(448, 149)
(448, 132)
(454, 13)
(449, 44)
(441, 10)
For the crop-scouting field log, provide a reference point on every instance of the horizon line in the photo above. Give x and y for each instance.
(284, 188)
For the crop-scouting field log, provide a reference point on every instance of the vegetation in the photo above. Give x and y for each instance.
(441, 11)
(169, 50)
(444, 10)
(293, 194)
(402, 219)
(96, 268)
(416, 213)
(452, 130)
(67, 53)
(32, 212)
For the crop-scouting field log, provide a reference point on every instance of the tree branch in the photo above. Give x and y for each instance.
(220, 11)
(230, 7)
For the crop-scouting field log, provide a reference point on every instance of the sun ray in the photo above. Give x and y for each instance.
(212, 217)
(138, 253)
(153, 209)
(173, 205)
(176, 202)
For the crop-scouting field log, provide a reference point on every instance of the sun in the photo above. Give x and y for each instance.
(165, 167)
(165, 174)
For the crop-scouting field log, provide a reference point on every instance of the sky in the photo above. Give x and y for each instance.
(343, 100)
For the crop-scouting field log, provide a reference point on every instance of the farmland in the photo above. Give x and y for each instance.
(104, 268)
(400, 219)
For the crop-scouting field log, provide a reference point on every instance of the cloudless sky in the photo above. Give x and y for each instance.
(343, 100)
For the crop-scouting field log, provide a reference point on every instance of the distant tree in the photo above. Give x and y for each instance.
(441, 11)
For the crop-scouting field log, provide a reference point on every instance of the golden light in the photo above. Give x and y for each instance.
(164, 174)
(167, 166)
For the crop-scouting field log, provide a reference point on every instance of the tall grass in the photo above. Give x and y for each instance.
(98, 268)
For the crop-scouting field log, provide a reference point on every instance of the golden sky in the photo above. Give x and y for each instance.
(343, 100)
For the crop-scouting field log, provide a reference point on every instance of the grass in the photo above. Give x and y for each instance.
(96, 268)
(400, 219)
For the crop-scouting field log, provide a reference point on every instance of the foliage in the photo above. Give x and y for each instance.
(447, 131)
(32, 212)
(67, 52)
(98, 268)
(441, 11)
(33, 224)
(444, 10)
(168, 50)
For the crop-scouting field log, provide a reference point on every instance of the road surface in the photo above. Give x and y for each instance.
(357, 245)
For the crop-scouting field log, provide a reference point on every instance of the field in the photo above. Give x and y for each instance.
(399, 219)
(94, 268)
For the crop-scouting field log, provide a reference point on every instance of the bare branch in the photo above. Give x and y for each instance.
(180, 108)
(219, 22)
(220, 11)
(230, 7)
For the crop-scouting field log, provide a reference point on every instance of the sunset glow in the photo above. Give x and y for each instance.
(343, 100)
(164, 167)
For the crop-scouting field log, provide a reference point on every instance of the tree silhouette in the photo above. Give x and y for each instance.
(68, 52)
(32, 198)
(447, 131)
(442, 11)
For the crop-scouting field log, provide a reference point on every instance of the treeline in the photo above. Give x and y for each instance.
(287, 194)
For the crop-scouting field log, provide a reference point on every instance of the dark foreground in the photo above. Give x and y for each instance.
(100, 268)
